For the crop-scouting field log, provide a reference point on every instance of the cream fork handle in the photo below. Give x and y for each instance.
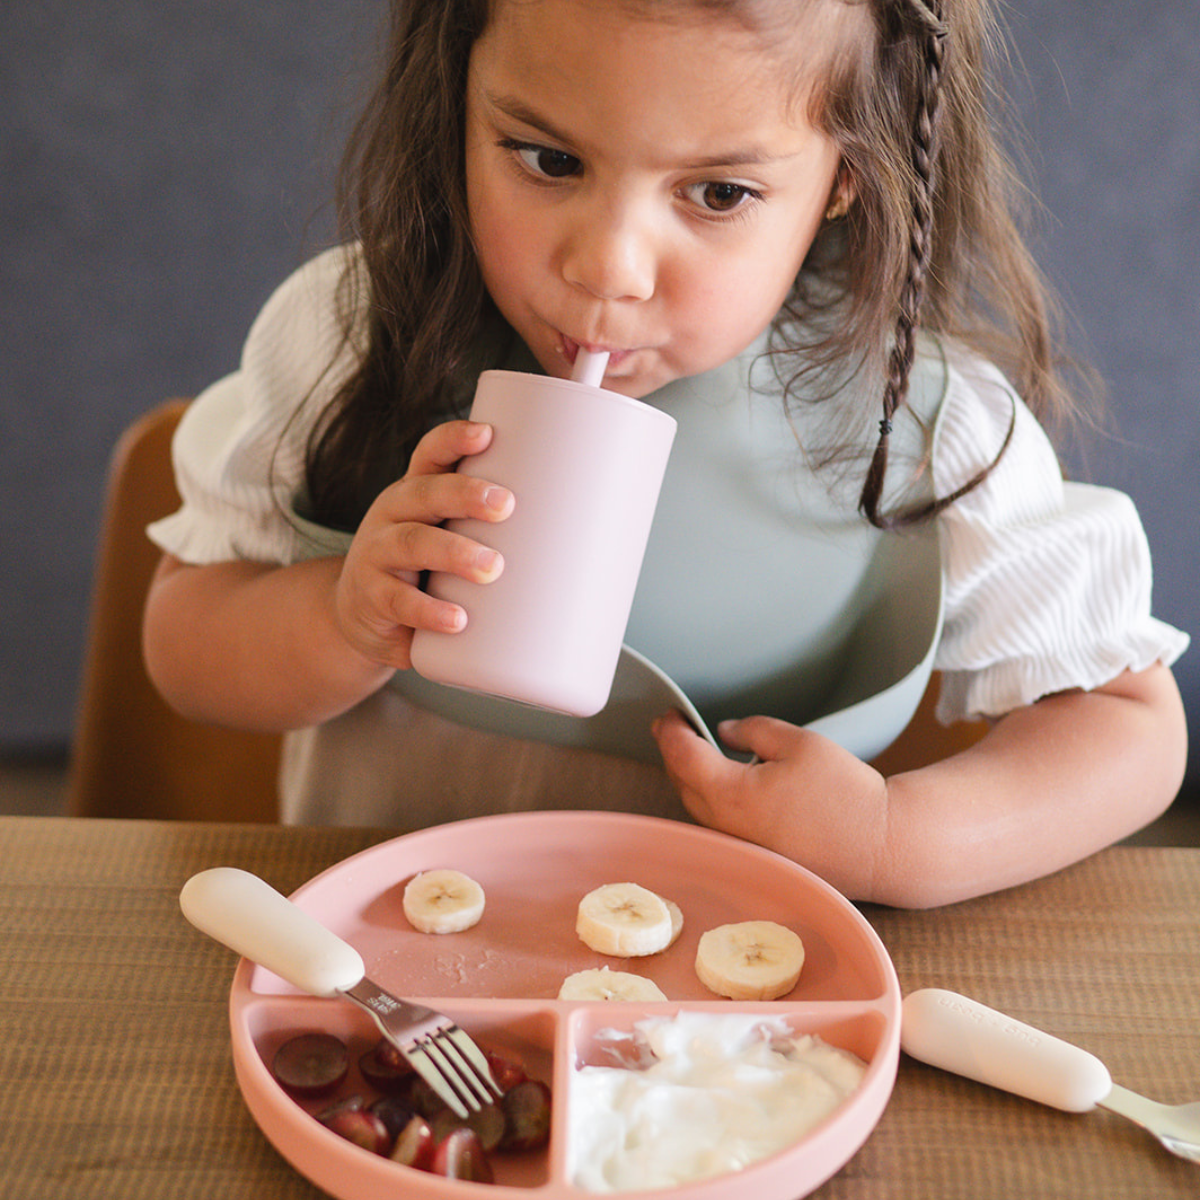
(961, 1035)
(251, 918)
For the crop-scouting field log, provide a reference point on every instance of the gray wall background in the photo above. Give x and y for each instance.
(166, 163)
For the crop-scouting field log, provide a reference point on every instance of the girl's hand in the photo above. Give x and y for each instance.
(806, 798)
(378, 601)
(1047, 785)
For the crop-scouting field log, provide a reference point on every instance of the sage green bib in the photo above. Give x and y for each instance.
(762, 590)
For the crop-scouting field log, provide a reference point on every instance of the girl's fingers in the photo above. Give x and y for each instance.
(433, 498)
(431, 491)
(410, 608)
(380, 602)
(442, 447)
(380, 597)
(380, 583)
(767, 738)
(430, 494)
(695, 765)
(380, 606)
(414, 547)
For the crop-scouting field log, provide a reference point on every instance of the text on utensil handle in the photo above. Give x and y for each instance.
(983, 1016)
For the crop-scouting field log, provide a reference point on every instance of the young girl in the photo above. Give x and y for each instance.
(753, 206)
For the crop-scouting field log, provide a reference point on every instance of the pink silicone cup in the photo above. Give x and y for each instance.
(499, 981)
(585, 466)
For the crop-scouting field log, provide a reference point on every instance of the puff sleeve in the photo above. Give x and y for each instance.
(239, 450)
(1047, 582)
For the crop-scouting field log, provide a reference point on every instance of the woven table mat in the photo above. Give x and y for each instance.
(116, 1080)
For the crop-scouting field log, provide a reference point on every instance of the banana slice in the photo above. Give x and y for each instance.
(443, 901)
(599, 983)
(676, 918)
(624, 920)
(751, 960)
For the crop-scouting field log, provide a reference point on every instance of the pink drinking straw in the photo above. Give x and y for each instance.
(589, 366)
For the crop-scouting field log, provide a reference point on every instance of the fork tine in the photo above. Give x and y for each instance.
(456, 1071)
(471, 1063)
(434, 1049)
(444, 1056)
(466, 1046)
(433, 1073)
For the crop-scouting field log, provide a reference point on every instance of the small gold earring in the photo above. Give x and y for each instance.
(839, 208)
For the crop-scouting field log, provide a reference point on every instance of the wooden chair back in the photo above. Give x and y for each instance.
(133, 756)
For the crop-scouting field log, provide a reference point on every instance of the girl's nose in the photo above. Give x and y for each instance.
(611, 259)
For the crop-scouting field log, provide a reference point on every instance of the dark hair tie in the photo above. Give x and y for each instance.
(930, 19)
(885, 427)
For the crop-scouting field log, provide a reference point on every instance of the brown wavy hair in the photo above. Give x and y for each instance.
(931, 239)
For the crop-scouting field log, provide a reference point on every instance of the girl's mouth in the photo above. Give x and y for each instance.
(569, 348)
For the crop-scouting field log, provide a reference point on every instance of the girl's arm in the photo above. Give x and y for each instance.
(1048, 785)
(253, 646)
(268, 647)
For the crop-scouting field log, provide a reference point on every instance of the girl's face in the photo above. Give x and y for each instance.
(644, 186)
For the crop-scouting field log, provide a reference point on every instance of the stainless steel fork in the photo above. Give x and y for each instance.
(249, 916)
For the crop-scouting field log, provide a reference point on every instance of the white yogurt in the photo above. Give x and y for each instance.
(723, 1091)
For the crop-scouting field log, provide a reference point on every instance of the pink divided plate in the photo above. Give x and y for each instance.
(499, 980)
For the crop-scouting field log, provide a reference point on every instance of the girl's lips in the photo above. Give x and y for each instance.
(570, 350)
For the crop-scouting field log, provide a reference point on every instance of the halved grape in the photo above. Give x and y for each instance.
(459, 1155)
(505, 1071)
(527, 1116)
(385, 1068)
(350, 1103)
(488, 1122)
(425, 1100)
(394, 1111)
(311, 1064)
(414, 1145)
(363, 1128)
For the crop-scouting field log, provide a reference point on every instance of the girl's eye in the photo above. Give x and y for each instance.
(721, 197)
(542, 160)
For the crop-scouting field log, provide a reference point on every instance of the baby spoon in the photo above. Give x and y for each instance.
(949, 1031)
